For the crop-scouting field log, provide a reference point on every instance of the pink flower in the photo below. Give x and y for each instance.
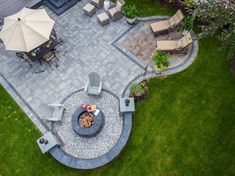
(83, 106)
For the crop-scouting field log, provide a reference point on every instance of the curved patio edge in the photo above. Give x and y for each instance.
(77, 163)
(152, 74)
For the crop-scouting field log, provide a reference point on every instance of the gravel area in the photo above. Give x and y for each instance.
(88, 148)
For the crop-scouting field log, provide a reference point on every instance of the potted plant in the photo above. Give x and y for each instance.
(130, 13)
(187, 24)
(161, 60)
(49, 44)
(33, 54)
(138, 91)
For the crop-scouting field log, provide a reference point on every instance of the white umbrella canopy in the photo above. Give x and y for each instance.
(26, 30)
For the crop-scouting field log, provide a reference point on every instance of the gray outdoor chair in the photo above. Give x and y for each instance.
(93, 85)
(52, 112)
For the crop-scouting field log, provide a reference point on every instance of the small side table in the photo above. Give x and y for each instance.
(47, 142)
(89, 9)
(127, 105)
(103, 18)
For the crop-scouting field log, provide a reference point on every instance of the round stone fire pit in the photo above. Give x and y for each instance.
(87, 124)
(86, 119)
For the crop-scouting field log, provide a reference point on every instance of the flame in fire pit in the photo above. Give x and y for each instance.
(86, 120)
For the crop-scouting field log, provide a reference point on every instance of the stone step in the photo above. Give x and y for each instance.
(59, 10)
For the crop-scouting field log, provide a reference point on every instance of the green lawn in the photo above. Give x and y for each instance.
(184, 127)
(150, 7)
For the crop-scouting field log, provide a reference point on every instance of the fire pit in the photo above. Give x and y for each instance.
(87, 124)
(86, 119)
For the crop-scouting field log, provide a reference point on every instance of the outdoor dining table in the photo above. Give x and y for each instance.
(38, 53)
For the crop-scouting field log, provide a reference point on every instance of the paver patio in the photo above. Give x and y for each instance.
(87, 47)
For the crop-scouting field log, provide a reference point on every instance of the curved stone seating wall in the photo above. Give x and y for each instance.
(77, 163)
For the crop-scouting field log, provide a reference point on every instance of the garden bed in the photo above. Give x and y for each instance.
(139, 91)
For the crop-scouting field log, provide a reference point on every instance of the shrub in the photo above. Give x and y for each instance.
(219, 18)
(161, 60)
(188, 23)
(130, 11)
(137, 90)
(190, 3)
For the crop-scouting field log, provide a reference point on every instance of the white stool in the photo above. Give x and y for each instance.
(89, 9)
(103, 18)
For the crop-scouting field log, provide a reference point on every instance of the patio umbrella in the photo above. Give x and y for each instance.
(26, 29)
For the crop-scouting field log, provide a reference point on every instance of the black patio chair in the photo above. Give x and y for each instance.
(53, 34)
(49, 56)
(23, 56)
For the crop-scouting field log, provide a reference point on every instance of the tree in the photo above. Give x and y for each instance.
(219, 19)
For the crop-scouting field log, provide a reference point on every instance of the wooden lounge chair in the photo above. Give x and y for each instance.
(93, 85)
(116, 12)
(160, 27)
(52, 112)
(174, 46)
